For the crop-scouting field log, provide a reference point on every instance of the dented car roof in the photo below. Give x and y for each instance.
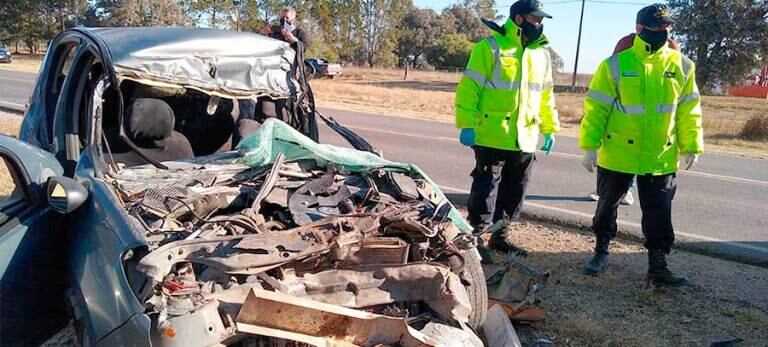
(234, 64)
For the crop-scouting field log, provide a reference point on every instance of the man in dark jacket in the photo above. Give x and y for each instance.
(288, 30)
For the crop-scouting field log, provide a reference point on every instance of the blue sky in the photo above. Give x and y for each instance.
(605, 22)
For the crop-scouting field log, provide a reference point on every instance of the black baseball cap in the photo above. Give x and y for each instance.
(654, 16)
(532, 7)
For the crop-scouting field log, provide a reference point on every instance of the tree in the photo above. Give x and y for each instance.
(461, 19)
(557, 61)
(418, 29)
(726, 39)
(33, 21)
(452, 51)
(219, 13)
(142, 13)
(379, 20)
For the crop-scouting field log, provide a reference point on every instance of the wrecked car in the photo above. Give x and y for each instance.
(175, 194)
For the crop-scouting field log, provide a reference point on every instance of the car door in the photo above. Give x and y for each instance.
(32, 252)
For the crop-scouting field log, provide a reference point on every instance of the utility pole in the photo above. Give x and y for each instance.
(578, 46)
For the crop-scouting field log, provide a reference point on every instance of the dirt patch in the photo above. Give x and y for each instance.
(726, 300)
(24, 63)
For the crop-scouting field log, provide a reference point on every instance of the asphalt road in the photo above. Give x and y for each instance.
(721, 205)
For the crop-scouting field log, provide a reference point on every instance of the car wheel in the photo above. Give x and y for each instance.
(478, 292)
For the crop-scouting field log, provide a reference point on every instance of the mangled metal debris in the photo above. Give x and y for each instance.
(320, 324)
(373, 248)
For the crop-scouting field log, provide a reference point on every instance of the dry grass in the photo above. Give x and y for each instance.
(755, 129)
(726, 301)
(24, 63)
(430, 95)
(9, 125)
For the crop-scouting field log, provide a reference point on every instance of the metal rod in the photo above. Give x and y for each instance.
(578, 46)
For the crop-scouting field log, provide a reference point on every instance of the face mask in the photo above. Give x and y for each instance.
(532, 31)
(654, 38)
(287, 25)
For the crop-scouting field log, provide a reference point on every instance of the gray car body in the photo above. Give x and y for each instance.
(101, 237)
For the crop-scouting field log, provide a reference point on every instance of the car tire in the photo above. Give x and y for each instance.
(476, 288)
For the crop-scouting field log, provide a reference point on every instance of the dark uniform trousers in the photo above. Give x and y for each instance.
(499, 181)
(656, 194)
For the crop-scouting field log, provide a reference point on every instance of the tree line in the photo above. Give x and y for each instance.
(727, 39)
(380, 33)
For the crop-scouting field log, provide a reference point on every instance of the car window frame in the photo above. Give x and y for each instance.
(71, 103)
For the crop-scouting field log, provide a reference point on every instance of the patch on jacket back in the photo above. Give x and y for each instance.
(629, 74)
(670, 74)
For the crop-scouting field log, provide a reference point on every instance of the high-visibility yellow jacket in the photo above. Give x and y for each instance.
(506, 92)
(641, 110)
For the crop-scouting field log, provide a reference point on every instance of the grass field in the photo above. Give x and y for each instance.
(430, 95)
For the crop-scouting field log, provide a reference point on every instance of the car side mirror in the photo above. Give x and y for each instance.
(65, 194)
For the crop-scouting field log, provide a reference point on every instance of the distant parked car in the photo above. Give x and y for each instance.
(322, 68)
(5, 54)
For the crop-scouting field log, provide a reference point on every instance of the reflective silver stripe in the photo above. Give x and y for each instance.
(614, 62)
(536, 87)
(632, 110)
(604, 98)
(688, 98)
(687, 66)
(496, 81)
(477, 77)
(548, 85)
(494, 46)
(666, 108)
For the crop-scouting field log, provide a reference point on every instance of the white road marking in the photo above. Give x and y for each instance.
(574, 156)
(630, 224)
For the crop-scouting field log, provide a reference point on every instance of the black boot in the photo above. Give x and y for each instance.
(598, 262)
(658, 273)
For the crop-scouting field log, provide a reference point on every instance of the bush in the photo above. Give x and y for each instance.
(755, 129)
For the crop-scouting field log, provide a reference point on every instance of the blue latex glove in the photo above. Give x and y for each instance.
(549, 143)
(467, 137)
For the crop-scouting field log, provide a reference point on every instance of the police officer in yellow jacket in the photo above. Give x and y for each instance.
(503, 101)
(642, 114)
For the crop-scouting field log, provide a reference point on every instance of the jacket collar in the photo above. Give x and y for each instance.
(643, 50)
(513, 32)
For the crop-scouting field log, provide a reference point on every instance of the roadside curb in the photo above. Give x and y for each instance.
(629, 233)
(12, 107)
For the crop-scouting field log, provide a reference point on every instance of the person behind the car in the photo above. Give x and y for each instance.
(288, 30)
(503, 101)
(642, 113)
